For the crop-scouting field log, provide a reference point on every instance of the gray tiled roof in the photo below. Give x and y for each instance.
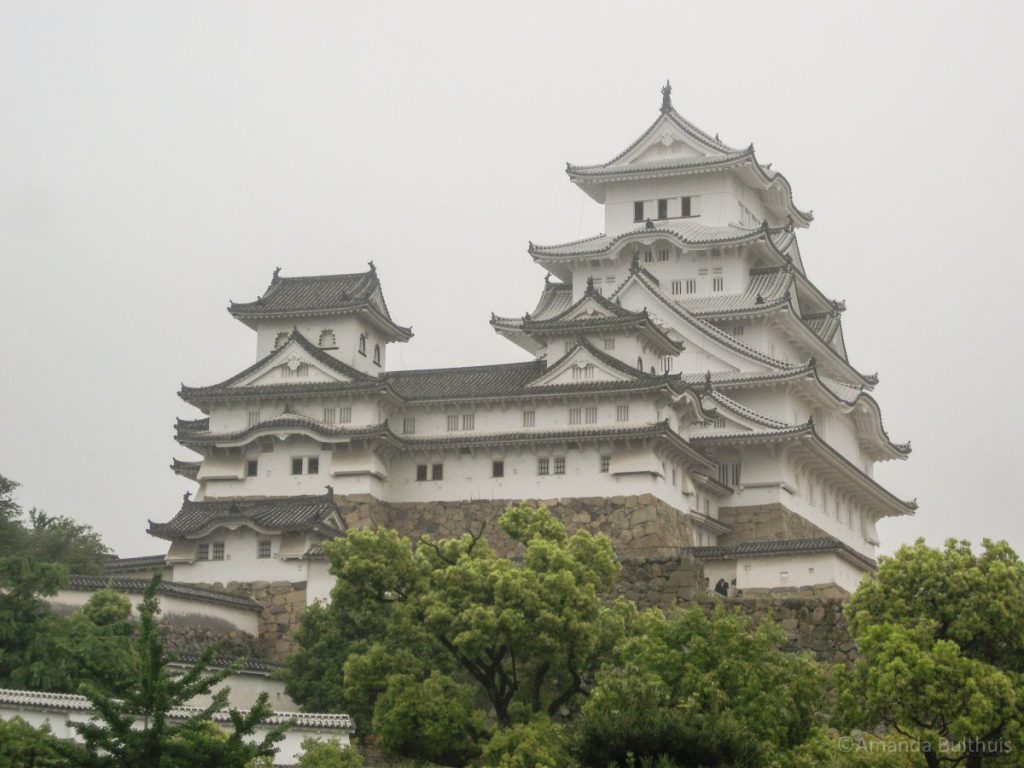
(284, 421)
(781, 547)
(292, 513)
(171, 588)
(749, 414)
(75, 703)
(687, 231)
(825, 325)
(554, 299)
(189, 469)
(143, 563)
(220, 662)
(471, 381)
(766, 288)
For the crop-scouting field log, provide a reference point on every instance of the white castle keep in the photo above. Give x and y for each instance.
(682, 356)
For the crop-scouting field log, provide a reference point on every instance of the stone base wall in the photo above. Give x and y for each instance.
(663, 583)
(640, 527)
(765, 522)
(282, 603)
(190, 639)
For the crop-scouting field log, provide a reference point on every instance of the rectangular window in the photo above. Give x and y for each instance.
(529, 418)
(606, 463)
(453, 422)
(677, 287)
(296, 466)
(263, 550)
(666, 364)
(719, 422)
(203, 552)
(409, 425)
(707, 507)
(663, 209)
(737, 330)
(330, 415)
(590, 415)
(252, 468)
(622, 413)
(736, 474)
(218, 550)
(559, 465)
(254, 418)
(648, 256)
(686, 208)
(575, 415)
(691, 286)
(609, 344)
(723, 474)
(663, 254)
(437, 471)
(638, 210)
(313, 465)
(543, 466)
(421, 472)
(717, 283)
(497, 468)
(345, 415)
(469, 421)
(302, 371)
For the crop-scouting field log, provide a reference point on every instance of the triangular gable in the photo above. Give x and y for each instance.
(583, 364)
(591, 305)
(664, 141)
(293, 363)
(707, 347)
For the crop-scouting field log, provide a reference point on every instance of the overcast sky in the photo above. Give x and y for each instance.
(158, 159)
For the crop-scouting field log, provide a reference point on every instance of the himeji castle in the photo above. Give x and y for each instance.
(689, 394)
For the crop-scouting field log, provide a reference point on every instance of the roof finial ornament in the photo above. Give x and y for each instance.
(373, 267)
(330, 491)
(590, 285)
(277, 272)
(648, 224)
(708, 388)
(547, 278)
(635, 265)
(187, 496)
(759, 299)
(666, 98)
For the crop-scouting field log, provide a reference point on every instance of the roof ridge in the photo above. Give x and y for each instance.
(488, 366)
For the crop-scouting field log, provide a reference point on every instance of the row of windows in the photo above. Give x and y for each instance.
(465, 422)
(665, 208)
(205, 552)
(730, 474)
(308, 465)
(545, 466)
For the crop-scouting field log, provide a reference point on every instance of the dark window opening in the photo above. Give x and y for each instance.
(263, 552)
(251, 467)
(638, 210)
(686, 206)
(203, 552)
(497, 469)
(296, 466)
(421, 472)
(218, 550)
(313, 465)
(663, 209)
(437, 471)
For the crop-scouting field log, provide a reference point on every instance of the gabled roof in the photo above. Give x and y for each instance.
(768, 548)
(290, 422)
(610, 317)
(232, 386)
(134, 564)
(583, 346)
(320, 296)
(292, 513)
(138, 586)
(555, 298)
(711, 155)
(468, 382)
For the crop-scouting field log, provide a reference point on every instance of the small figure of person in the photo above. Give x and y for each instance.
(732, 591)
(722, 587)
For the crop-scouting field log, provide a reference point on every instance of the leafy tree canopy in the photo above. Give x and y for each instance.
(940, 637)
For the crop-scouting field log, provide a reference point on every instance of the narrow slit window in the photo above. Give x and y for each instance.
(663, 209)
(606, 463)
(638, 210)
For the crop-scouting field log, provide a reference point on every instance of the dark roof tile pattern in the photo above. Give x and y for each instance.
(465, 382)
(312, 292)
(143, 563)
(284, 421)
(292, 513)
(766, 288)
(781, 547)
(170, 588)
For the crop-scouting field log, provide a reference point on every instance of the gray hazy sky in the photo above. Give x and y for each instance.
(160, 158)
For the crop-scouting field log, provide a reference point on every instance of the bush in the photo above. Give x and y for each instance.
(328, 754)
(537, 744)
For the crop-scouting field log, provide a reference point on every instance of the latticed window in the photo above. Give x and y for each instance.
(663, 254)
(469, 421)
(254, 418)
(717, 283)
(609, 344)
(497, 468)
(313, 465)
(691, 286)
(560, 465)
(421, 472)
(203, 552)
(251, 468)
(437, 472)
(263, 550)
(529, 418)
(677, 287)
(543, 466)
(590, 415)
(218, 550)
(376, 354)
(327, 340)
(345, 414)
(575, 415)
(453, 422)
(622, 413)
(606, 463)
(330, 415)
(409, 425)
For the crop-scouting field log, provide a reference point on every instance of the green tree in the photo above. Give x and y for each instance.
(114, 738)
(22, 746)
(526, 636)
(24, 614)
(700, 691)
(539, 743)
(328, 754)
(940, 638)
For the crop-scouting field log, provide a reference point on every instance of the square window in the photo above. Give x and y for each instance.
(330, 415)
(638, 210)
(453, 422)
(559, 465)
(254, 418)
(529, 418)
(575, 415)
(263, 550)
(297, 466)
(622, 413)
(345, 415)
(469, 421)
(437, 472)
(663, 209)
(497, 468)
(251, 468)
(543, 466)
(421, 472)
(606, 463)
(409, 425)
(590, 415)
(609, 344)
(313, 465)
(203, 552)
(218, 550)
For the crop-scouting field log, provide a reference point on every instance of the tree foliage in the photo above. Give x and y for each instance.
(329, 754)
(940, 637)
(134, 729)
(22, 746)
